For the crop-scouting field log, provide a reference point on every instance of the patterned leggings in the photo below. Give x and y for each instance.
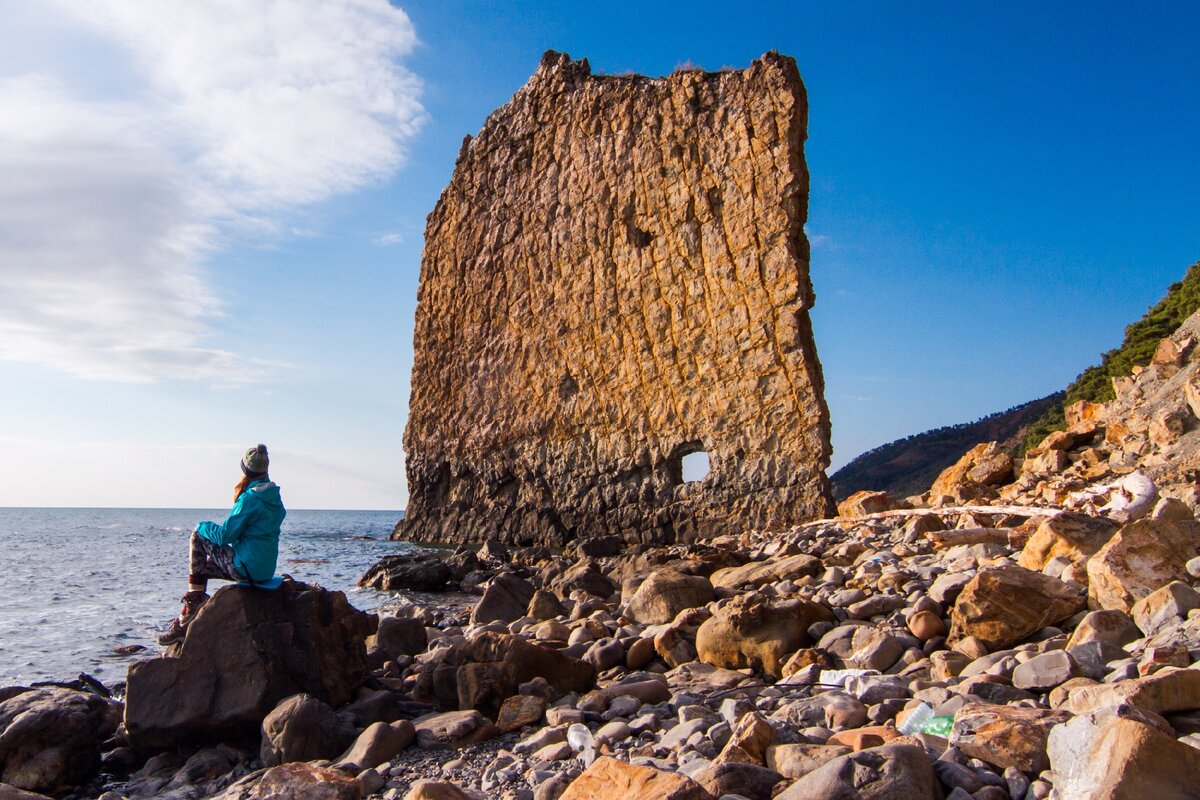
(210, 560)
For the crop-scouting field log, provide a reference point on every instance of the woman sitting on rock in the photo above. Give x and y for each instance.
(244, 548)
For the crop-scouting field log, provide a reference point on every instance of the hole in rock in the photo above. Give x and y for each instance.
(694, 466)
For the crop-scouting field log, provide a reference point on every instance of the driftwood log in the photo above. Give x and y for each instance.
(1016, 511)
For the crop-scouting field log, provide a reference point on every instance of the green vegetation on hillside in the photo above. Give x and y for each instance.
(1141, 338)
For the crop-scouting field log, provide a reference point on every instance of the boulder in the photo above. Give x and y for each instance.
(1164, 692)
(505, 599)
(544, 605)
(1005, 736)
(1043, 672)
(1106, 757)
(1107, 625)
(50, 738)
(752, 736)
(494, 550)
(610, 779)
(1070, 535)
(863, 646)
(866, 502)
(982, 466)
(674, 646)
(414, 572)
(399, 636)
(648, 692)
(665, 593)
(605, 654)
(380, 742)
(752, 781)
(758, 632)
(926, 625)
(1142, 556)
(453, 729)
(889, 772)
(1003, 605)
(295, 781)
(1164, 607)
(302, 728)
(246, 650)
(485, 670)
(797, 760)
(520, 710)
(758, 573)
(583, 576)
(595, 547)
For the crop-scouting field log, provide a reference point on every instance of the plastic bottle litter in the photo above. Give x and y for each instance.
(916, 719)
(938, 726)
(922, 720)
(579, 737)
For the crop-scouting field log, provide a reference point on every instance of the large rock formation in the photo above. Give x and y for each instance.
(246, 650)
(616, 277)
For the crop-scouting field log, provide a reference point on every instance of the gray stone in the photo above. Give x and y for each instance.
(1046, 671)
(879, 773)
(380, 742)
(302, 728)
(1093, 659)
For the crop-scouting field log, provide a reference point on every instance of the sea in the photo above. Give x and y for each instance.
(81, 586)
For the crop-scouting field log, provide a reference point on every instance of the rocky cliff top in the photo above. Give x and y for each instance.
(617, 277)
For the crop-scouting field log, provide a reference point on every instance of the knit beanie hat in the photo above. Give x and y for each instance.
(255, 462)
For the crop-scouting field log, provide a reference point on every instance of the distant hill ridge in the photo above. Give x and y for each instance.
(908, 466)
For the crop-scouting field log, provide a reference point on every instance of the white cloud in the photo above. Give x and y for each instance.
(108, 209)
(388, 239)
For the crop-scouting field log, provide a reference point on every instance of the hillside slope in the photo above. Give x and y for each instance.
(1094, 384)
(908, 466)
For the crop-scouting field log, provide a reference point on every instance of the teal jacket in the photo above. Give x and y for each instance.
(252, 528)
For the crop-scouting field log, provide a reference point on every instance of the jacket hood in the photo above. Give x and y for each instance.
(266, 492)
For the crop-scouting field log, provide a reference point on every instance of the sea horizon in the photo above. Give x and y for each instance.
(88, 589)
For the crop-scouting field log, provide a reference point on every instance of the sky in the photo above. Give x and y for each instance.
(211, 213)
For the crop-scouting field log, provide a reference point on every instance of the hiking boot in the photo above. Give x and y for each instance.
(192, 601)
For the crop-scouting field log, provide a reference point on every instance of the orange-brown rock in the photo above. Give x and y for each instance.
(757, 632)
(862, 738)
(617, 276)
(1142, 556)
(610, 779)
(1000, 607)
(1108, 757)
(866, 502)
(971, 477)
(1070, 535)
(1007, 736)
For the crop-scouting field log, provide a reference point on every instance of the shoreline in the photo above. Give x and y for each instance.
(726, 667)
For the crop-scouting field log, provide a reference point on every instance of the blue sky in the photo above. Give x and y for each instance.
(211, 213)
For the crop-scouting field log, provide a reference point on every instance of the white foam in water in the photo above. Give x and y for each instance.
(79, 583)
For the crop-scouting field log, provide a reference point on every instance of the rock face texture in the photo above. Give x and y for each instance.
(617, 277)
